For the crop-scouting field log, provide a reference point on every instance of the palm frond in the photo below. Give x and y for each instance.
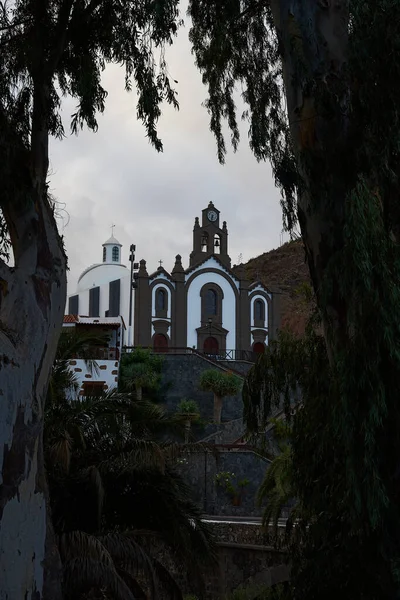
(59, 452)
(138, 455)
(131, 557)
(83, 574)
(167, 581)
(276, 488)
(78, 544)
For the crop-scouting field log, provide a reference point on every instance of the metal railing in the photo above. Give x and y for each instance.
(221, 355)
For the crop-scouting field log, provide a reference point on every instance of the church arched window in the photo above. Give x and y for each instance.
(217, 244)
(161, 300)
(211, 302)
(259, 310)
(115, 254)
(104, 254)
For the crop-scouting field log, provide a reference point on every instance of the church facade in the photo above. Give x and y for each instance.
(206, 306)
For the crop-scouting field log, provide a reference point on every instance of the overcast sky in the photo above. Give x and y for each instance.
(116, 177)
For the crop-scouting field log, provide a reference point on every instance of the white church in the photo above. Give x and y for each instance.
(103, 289)
(207, 306)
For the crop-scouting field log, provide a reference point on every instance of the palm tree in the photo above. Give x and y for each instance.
(72, 342)
(221, 384)
(116, 498)
(188, 412)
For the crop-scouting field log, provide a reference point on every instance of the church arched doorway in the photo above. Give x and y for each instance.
(259, 348)
(211, 346)
(160, 343)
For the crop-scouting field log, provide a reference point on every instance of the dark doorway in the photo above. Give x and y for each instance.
(259, 348)
(211, 346)
(160, 343)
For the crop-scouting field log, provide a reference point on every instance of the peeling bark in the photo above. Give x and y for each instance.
(31, 312)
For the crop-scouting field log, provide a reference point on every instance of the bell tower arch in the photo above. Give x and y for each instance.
(209, 238)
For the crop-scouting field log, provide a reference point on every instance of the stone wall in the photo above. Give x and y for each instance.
(245, 557)
(180, 379)
(200, 469)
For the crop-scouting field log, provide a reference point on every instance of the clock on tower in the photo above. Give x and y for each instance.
(209, 238)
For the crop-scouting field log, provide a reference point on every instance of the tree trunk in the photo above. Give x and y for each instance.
(32, 300)
(217, 408)
(313, 38)
(187, 430)
(139, 392)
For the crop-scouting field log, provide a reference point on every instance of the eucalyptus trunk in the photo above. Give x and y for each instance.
(218, 400)
(32, 304)
(314, 45)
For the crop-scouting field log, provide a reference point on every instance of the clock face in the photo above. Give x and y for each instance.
(212, 215)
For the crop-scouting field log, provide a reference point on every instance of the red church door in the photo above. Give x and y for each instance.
(259, 348)
(211, 346)
(160, 343)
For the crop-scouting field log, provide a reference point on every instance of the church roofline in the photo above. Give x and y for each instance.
(102, 264)
(254, 284)
(160, 270)
(112, 241)
(215, 256)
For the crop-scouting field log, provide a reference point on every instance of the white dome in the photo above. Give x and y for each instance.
(112, 241)
(100, 274)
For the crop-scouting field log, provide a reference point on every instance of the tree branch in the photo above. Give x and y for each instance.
(12, 25)
(60, 34)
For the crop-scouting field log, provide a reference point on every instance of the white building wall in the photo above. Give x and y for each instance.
(194, 308)
(101, 274)
(113, 274)
(108, 372)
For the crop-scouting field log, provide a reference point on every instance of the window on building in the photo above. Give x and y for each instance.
(259, 310)
(104, 254)
(93, 388)
(217, 244)
(161, 300)
(211, 302)
(115, 254)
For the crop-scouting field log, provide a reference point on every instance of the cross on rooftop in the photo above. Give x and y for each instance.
(161, 262)
(112, 230)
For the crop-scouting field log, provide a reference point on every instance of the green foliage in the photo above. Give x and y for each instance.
(115, 496)
(72, 344)
(230, 483)
(188, 407)
(140, 369)
(236, 48)
(107, 477)
(67, 45)
(276, 490)
(220, 383)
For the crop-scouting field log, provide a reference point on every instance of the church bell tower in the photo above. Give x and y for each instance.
(209, 239)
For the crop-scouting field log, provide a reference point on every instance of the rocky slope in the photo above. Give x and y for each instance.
(285, 271)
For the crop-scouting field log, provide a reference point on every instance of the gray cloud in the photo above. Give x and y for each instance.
(115, 176)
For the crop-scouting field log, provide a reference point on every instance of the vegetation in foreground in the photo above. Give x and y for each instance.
(118, 505)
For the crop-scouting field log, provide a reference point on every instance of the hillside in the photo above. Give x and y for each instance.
(284, 270)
